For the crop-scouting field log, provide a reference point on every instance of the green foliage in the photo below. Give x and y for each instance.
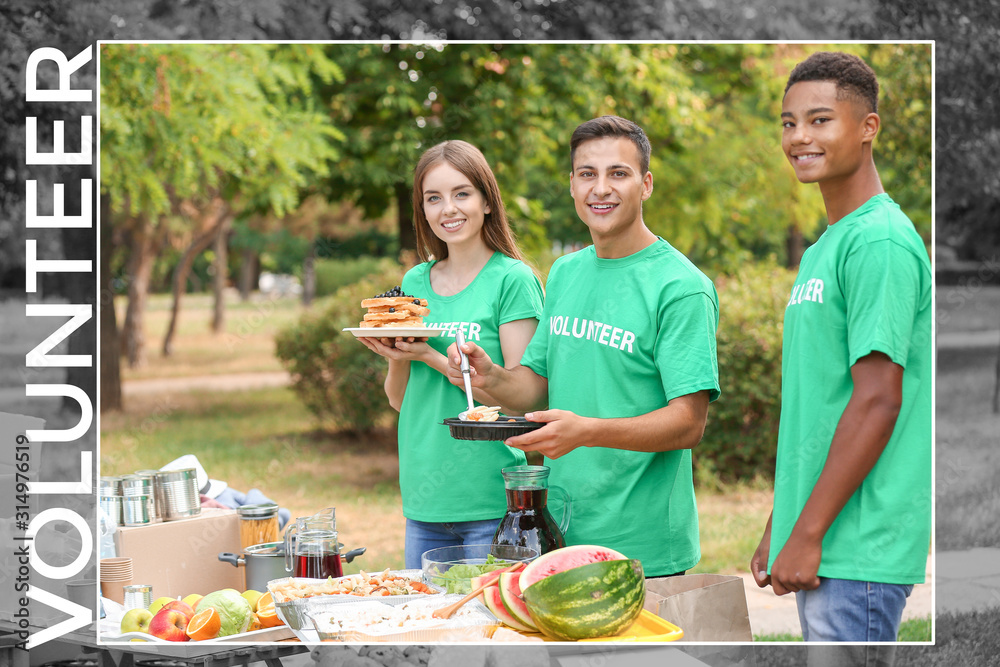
(723, 191)
(912, 630)
(179, 122)
(370, 241)
(336, 377)
(333, 274)
(741, 436)
(915, 630)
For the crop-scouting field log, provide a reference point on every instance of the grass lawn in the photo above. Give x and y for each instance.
(968, 497)
(247, 345)
(18, 340)
(265, 439)
(913, 630)
(965, 639)
(731, 520)
(968, 308)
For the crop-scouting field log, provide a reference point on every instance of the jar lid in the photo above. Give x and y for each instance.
(266, 549)
(261, 511)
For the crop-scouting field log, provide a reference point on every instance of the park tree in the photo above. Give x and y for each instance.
(967, 93)
(516, 102)
(24, 27)
(197, 133)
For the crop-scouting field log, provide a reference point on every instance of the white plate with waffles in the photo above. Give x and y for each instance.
(396, 332)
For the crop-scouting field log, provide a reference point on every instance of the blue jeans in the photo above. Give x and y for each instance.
(842, 610)
(422, 536)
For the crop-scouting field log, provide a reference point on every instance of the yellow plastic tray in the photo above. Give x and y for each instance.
(647, 628)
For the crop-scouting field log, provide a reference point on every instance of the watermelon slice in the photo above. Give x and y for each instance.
(485, 578)
(495, 605)
(564, 559)
(510, 596)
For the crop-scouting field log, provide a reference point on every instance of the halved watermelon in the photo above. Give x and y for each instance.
(495, 605)
(564, 559)
(595, 600)
(510, 595)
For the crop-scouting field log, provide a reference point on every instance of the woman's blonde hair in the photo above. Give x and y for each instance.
(470, 161)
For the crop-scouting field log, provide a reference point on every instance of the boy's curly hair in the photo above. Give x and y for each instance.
(854, 78)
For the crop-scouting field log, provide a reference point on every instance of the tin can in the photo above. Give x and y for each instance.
(138, 596)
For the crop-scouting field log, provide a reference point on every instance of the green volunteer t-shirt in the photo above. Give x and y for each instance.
(864, 286)
(443, 479)
(621, 338)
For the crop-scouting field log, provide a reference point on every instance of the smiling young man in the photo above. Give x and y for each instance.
(625, 357)
(850, 529)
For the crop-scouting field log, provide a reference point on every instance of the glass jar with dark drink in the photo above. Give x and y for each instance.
(528, 522)
(317, 555)
(311, 548)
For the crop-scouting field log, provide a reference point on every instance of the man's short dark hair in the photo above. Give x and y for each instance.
(612, 126)
(854, 78)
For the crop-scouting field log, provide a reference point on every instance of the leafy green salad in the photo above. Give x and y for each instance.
(458, 578)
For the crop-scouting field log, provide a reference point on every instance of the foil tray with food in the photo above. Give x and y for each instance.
(291, 594)
(401, 619)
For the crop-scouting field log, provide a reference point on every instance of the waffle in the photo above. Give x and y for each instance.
(393, 309)
(390, 301)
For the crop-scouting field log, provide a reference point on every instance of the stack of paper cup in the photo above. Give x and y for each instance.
(116, 573)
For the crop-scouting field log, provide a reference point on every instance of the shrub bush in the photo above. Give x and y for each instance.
(741, 436)
(335, 376)
(332, 274)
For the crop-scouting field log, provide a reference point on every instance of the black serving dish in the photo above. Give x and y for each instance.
(498, 430)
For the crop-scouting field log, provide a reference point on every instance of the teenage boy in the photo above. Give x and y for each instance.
(625, 356)
(850, 528)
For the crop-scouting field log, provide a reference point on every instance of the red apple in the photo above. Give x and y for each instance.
(181, 606)
(169, 624)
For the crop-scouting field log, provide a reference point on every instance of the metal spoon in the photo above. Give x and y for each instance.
(460, 339)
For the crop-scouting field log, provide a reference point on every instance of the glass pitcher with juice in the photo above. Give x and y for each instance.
(528, 522)
(311, 548)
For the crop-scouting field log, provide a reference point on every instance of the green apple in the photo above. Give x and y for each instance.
(252, 597)
(158, 604)
(136, 620)
(192, 599)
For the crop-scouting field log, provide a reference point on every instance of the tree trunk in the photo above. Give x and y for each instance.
(996, 387)
(248, 273)
(794, 246)
(111, 380)
(143, 248)
(80, 243)
(404, 206)
(216, 216)
(221, 277)
(309, 275)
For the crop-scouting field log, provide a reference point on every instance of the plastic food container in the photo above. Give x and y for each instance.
(503, 428)
(358, 621)
(452, 568)
(293, 611)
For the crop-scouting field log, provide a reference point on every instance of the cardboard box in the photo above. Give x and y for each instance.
(707, 607)
(181, 557)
